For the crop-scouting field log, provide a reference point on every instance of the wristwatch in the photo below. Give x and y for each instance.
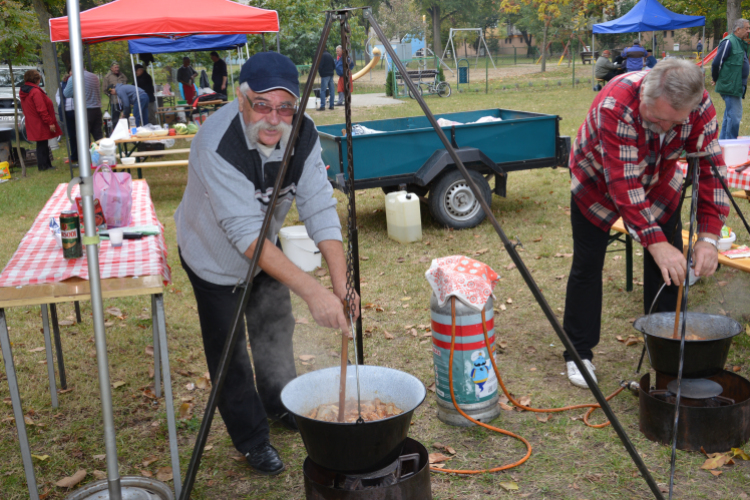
(710, 240)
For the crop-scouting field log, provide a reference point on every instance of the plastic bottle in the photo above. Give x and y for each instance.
(131, 124)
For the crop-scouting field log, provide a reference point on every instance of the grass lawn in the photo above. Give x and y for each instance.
(569, 461)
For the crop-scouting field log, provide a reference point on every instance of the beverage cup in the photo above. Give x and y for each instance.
(115, 237)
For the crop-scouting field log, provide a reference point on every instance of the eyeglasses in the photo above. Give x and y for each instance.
(264, 108)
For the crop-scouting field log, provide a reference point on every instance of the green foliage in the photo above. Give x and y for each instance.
(20, 34)
(390, 81)
(441, 75)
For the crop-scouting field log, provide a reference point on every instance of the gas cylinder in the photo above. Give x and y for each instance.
(474, 381)
(403, 217)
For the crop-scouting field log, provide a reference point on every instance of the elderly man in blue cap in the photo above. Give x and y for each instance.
(233, 164)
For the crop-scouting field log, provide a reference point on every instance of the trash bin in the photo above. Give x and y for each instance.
(463, 74)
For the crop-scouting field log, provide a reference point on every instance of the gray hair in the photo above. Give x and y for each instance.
(245, 88)
(339, 47)
(680, 82)
(739, 23)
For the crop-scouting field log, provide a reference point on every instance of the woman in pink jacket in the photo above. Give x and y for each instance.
(41, 122)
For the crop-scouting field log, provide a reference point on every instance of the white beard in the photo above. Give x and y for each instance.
(654, 127)
(254, 129)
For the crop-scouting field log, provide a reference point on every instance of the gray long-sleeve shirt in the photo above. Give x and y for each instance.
(604, 66)
(220, 216)
(91, 90)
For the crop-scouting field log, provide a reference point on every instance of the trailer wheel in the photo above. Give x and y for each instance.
(453, 203)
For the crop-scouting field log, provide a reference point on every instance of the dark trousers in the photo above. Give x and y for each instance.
(94, 118)
(611, 74)
(270, 327)
(70, 124)
(583, 300)
(42, 155)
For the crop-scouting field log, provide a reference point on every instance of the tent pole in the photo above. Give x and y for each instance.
(231, 70)
(278, 43)
(593, 62)
(137, 92)
(703, 44)
(263, 41)
(153, 80)
(90, 240)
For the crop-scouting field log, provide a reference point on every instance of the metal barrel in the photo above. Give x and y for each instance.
(474, 380)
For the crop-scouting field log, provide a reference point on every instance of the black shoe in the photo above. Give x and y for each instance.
(339, 104)
(331, 107)
(322, 109)
(287, 420)
(265, 459)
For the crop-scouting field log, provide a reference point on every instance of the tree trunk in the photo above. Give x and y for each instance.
(15, 115)
(734, 12)
(718, 26)
(49, 60)
(437, 46)
(527, 39)
(544, 48)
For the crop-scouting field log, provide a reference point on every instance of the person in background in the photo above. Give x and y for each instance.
(39, 112)
(650, 59)
(145, 82)
(327, 87)
(233, 162)
(219, 74)
(129, 96)
(111, 79)
(65, 107)
(93, 96)
(634, 56)
(340, 72)
(729, 72)
(623, 163)
(699, 46)
(605, 69)
(185, 75)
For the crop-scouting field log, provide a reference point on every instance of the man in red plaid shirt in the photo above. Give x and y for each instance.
(624, 164)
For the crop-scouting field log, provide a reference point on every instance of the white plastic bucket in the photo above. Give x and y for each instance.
(300, 248)
(735, 151)
(726, 243)
(107, 147)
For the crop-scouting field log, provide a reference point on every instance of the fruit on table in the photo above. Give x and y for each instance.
(172, 131)
(192, 128)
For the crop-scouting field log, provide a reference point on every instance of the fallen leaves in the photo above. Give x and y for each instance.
(114, 311)
(387, 335)
(543, 417)
(436, 458)
(563, 255)
(203, 382)
(99, 474)
(41, 458)
(71, 481)
(509, 485)
(118, 383)
(631, 340)
(431, 387)
(164, 474)
(448, 449)
(307, 359)
(149, 350)
(37, 349)
(717, 460)
(510, 267)
(320, 272)
(186, 411)
(482, 251)
(149, 460)
(301, 321)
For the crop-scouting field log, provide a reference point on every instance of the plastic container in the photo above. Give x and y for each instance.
(132, 125)
(403, 217)
(107, 147)
(300, 248)
(735, 151)
(726, 243)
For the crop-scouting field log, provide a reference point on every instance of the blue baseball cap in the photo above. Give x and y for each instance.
(266, 71)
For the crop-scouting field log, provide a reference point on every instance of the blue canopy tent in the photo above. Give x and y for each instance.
(194, 43)
(648, 15)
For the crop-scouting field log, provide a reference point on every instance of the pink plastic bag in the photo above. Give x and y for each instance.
(115, 193)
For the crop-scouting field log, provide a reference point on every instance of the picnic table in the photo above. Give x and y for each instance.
(37, 274)
(131, 152)
(734, 179)
(586, 56)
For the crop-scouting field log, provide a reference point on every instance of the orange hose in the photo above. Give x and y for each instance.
(591, 406)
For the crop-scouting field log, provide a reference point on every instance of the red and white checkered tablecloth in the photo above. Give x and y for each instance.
(734, 180)
(38, 260)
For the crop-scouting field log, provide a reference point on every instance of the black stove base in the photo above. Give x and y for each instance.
(406, 479)
(716, 424)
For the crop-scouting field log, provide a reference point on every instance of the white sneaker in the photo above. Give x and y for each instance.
(575, 376)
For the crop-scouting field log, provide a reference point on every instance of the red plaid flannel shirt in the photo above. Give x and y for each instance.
(619, 168)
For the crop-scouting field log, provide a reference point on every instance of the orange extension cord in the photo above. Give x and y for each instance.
(592, 406)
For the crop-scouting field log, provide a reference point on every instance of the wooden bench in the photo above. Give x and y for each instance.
(619, 227)
(417, 75)
(586, 56)
(141, 154)
(745, 195)
(153, 164)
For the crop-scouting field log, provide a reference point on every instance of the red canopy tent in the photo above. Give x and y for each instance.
(128, 19)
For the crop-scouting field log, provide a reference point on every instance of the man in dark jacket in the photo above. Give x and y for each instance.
(650, 59)
(327, 87)
(340, 72)
(185, 75)
(219, 74)
(634, 55)
(145, 82)
(729, 72)
(130, 97)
